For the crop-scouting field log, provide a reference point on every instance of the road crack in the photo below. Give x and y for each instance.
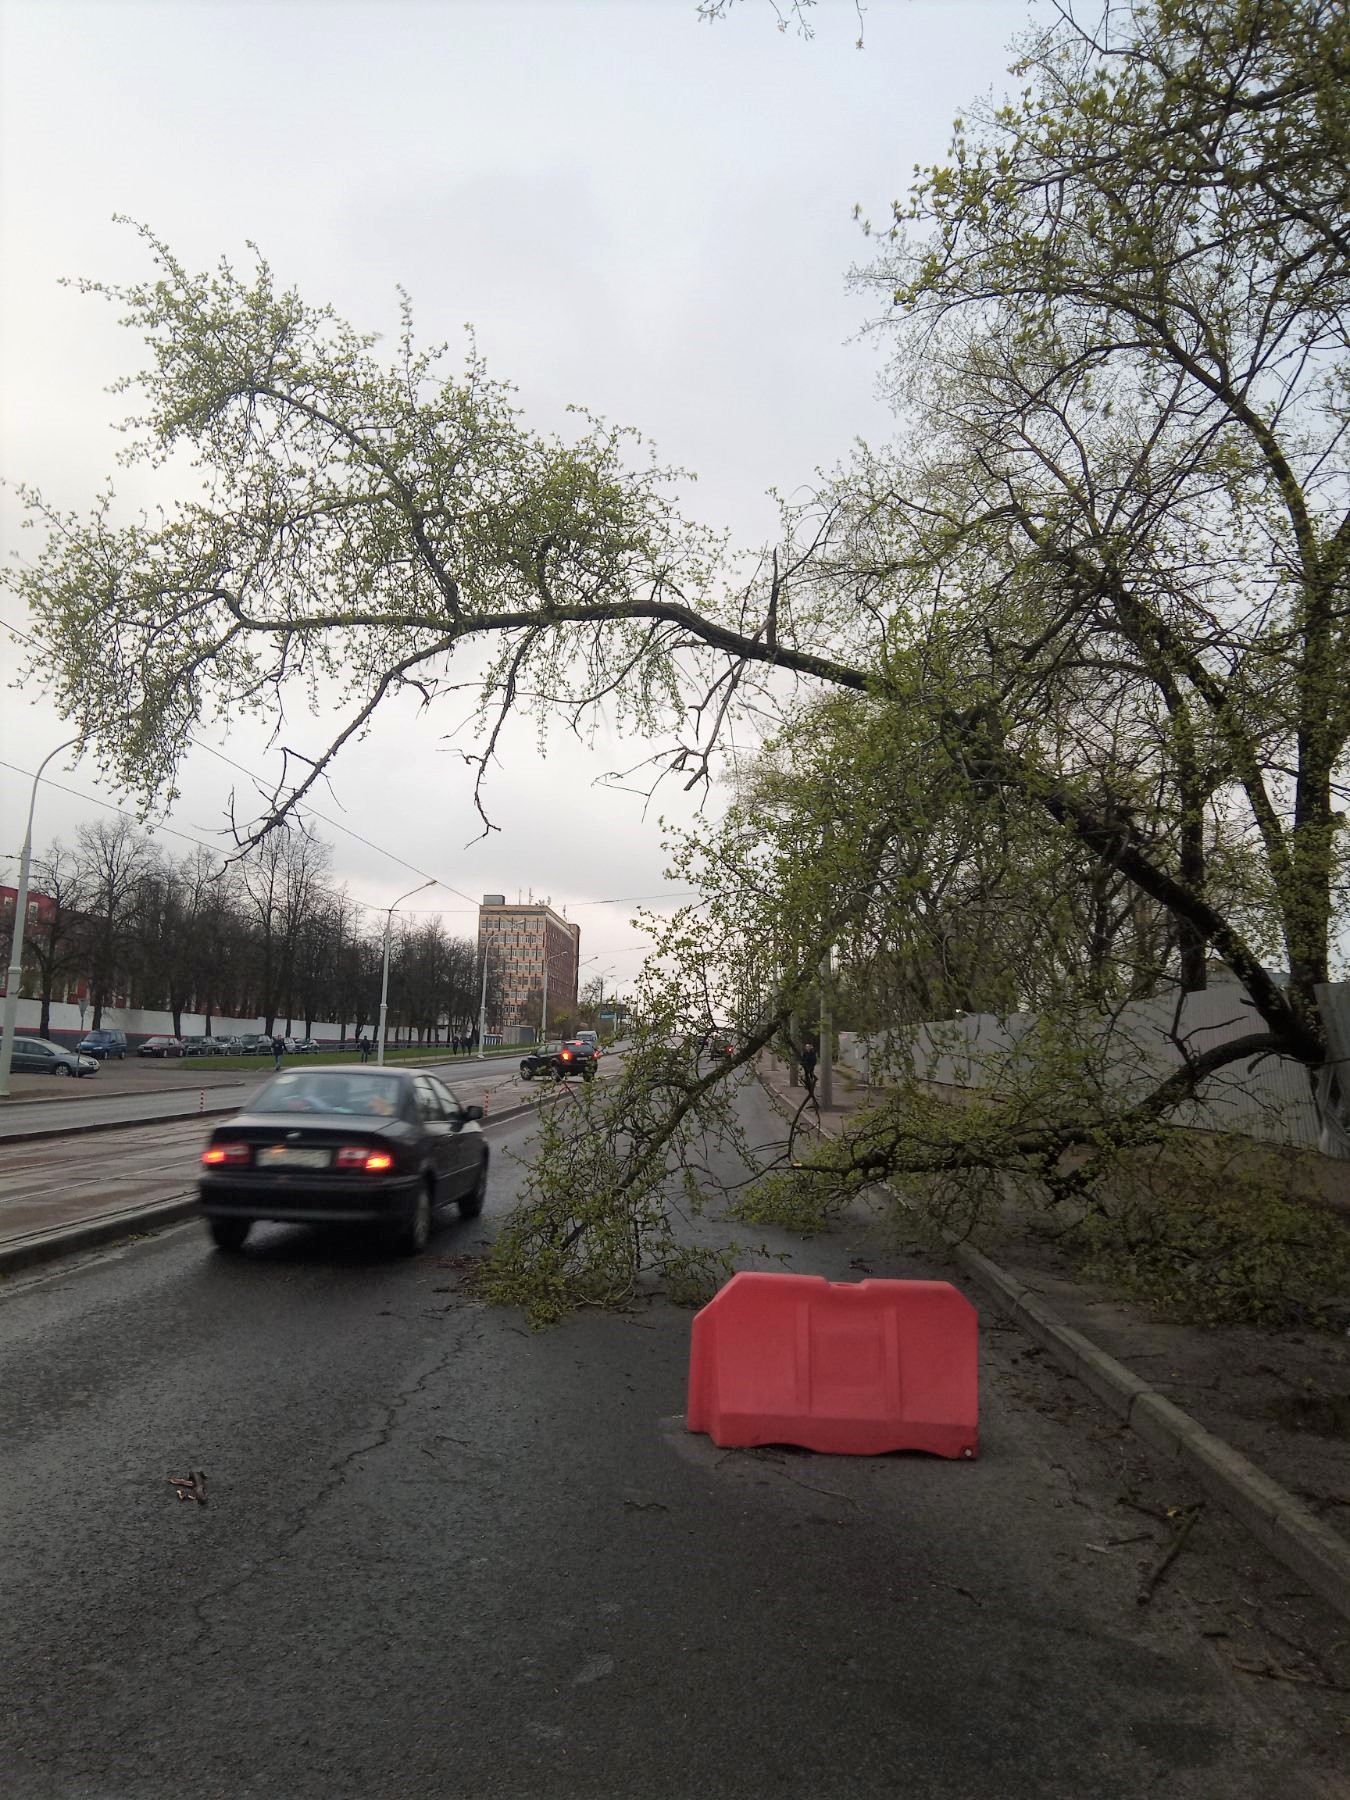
(332, 1482)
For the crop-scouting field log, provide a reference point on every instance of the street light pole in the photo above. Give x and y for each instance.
(384, 978)
(482, 1004)
(16, 942)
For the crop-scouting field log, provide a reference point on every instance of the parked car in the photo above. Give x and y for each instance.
(255, 1043)
(40, 1056)
(562, 1057)
(161, 1046)
(204, 1046)
(106, 1041)
(308, 1047)
(380, 1147)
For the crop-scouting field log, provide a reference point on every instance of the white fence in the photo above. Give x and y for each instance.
(66, 1022)
(1268, 1097)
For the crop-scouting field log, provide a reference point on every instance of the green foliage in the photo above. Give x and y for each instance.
(1211, 1230)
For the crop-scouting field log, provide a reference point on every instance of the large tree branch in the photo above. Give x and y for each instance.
(1117, 843)
(739, 644)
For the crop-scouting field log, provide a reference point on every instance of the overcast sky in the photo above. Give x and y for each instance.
(636, 210)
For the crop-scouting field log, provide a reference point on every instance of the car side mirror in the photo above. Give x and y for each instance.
(471, 1112)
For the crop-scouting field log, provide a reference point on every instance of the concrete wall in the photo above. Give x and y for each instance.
(1269, 1097)
(138, 1023)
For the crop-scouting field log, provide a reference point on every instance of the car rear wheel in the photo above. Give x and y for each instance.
(472, 1203)
(229, 1234)
(413, 1234)
(526, 1072)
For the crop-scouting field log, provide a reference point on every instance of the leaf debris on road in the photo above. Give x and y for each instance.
(190, 1486)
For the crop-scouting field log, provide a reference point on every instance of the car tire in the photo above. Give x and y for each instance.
(472, 1203)
(413, 1234)
(229, 1234)
(526, 1072)
(63, 1069)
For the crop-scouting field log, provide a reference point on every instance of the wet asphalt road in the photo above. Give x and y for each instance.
(445, 1556)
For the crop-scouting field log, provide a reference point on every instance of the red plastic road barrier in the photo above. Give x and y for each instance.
(856, 1368)
(487, 1102)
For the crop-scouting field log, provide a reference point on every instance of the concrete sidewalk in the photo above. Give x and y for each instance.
(1223, 1401)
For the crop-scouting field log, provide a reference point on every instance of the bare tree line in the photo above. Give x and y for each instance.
(266, 937)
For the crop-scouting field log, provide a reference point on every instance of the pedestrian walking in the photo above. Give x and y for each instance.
(809, 1068)
(363, 1045)
(278, 1050)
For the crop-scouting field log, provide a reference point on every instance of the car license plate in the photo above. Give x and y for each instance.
(291, 1156)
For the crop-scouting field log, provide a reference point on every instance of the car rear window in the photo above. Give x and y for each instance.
(356, 1092)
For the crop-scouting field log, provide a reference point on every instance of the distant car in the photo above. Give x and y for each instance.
(40, 1056)
(107, 1041)
(592, 1038)
(308, 1047)
(380, 1147)
(203, 1046)
(161, 1046)
(254, 1043)
(562, 1057)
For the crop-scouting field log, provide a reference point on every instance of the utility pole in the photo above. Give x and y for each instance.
(482, 1004)
(15, 981)
(384, 976)
(825, 1056)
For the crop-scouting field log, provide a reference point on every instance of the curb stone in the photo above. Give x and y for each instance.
(44, 1246)
(1283, 1525)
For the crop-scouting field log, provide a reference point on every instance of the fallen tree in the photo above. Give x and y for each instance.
(1090, 605)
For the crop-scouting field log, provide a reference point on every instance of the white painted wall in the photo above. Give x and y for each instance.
(65, 1020)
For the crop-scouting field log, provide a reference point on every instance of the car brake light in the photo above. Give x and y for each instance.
(356, 1156)
(233, 1154)
(566, 1056)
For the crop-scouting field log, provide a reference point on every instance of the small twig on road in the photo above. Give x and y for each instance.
(1273, 1671)
(956, 1588)
(190, 1486)
(1169, 1556)
(1150, 1512)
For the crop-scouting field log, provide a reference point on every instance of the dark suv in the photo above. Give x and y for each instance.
(105, 1042)
(563, 1057)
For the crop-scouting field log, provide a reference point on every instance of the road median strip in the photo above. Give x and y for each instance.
(1282, 1524)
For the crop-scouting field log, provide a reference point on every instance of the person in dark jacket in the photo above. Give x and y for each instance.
(809, 1067)
(278, 1050)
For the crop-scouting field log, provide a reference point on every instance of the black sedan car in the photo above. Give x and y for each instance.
(563, 1057)
(379, 1147)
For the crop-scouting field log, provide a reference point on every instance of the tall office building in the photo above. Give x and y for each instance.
(522, 941)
